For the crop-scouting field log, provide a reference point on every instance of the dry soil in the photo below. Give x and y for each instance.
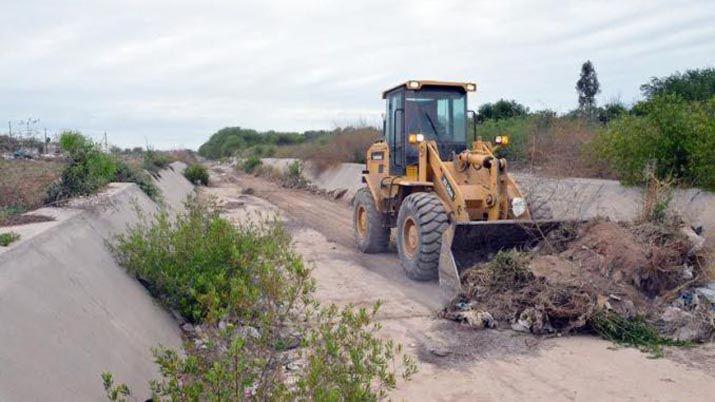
(456, 362)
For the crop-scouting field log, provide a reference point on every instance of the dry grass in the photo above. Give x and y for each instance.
(23, 183)
(187, 156)
(562, 149)
(346, 145)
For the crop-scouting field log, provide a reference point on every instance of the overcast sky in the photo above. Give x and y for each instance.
(172, 72)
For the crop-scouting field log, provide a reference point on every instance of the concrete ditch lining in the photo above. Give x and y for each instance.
(68, 312)
(569, 198)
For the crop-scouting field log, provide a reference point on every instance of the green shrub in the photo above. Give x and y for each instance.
(292, 176)
(232, 141)
(132, 174)
(7, 238)
(197, 173)
(632, 332)
(517, 128)
(509, 269)
(155, 161)
(675, 137)
(88, 171)
(201, 265)
(693, 85)
(251, 163)
(501, 109)
(251, 294)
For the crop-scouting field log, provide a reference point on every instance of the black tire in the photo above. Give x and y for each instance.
(374, 236)
(423, 215)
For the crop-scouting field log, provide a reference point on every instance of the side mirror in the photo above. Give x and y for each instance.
(473, 115)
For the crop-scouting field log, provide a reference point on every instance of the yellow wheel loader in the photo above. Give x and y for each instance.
(452, 206)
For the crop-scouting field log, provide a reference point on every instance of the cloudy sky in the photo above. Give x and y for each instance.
(172, 72)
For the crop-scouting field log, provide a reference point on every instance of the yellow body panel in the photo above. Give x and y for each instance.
(475, 186)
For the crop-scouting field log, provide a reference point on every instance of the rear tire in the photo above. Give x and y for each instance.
(420, 223)
(371, 235)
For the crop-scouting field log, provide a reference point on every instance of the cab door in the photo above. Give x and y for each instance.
(395, 132)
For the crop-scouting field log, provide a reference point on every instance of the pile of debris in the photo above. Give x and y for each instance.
(646, 271)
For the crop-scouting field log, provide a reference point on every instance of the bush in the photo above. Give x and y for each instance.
(251, 163)
(251, 296)
(155, 161)
(693, 85)
(675, 137)
(88, 171)
(129, 173)
(7, 238)
(232, 141)
(501, 109)
(197, 173)
(202, 266)
(292, 176)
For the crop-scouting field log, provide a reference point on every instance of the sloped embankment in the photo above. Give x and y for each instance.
(568, 197)
(68, 312)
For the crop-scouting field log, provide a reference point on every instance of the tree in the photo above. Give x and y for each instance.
(692, 85)
(587, 87)
(501, 109)
(611, 111)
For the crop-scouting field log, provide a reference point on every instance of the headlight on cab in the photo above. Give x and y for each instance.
(416, 138)
(518, 206)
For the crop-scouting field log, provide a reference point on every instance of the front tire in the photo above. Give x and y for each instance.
(371, 235)
(420, 223)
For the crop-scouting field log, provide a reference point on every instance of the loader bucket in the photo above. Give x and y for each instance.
(465, 244)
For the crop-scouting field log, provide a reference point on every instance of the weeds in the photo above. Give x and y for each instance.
(23, 184)
(155, 161)
(634, 332)
(127, 172)
(204, 267)
(196, 173)
(292, 176)
(88, 171)
(347, 144)
(508, 269)
(115, 393)
(656, 198)
(251, 296)
(250, 164)
(7, 238)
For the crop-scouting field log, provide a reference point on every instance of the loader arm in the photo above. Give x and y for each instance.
(469, 195)
(432, 169)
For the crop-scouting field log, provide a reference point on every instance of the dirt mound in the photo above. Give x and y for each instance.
(644, 271)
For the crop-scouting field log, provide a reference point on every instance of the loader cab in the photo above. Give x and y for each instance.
(438, 110)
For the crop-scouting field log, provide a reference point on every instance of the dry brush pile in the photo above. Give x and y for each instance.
(641, 283)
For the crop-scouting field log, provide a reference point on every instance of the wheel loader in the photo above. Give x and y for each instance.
(452, 205)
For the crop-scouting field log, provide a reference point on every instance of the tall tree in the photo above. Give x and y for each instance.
(587, 87)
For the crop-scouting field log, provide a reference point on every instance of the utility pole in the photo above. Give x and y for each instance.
(106, 146)
(45, 143)
(9, 127)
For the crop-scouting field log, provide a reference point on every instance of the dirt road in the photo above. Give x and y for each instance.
(459, 363)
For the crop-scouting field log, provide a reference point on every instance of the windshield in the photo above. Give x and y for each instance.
(439, 114)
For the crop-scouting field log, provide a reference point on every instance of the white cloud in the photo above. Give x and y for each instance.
(172, 72)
